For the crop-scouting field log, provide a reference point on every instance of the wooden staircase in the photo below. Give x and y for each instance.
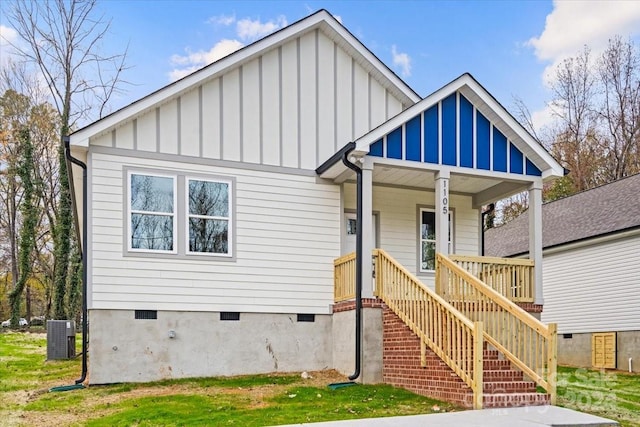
(467, 344)
(503, 384)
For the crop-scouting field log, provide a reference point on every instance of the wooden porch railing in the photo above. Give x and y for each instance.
(448, 333)
(510, 277)
(525, 341)
(344, 273)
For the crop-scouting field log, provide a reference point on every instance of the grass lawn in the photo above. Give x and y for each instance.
(609, 394)
(25, 378)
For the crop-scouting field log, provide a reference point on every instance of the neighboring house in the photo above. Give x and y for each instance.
(591, 272)
(217, 205)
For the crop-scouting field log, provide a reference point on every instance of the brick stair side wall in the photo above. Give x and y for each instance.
(402, 368)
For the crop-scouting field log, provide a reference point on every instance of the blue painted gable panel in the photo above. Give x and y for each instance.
(376, 149)
(394, 144)
(449, 130)
(499, 151)
(466, 133)
(515, 159)
(483, 137)
(532, 169)
(412, 136)
(431, 135)
(436, 135)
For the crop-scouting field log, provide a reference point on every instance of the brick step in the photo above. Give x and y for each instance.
(494, 387)
(502, 375)
(511, 400)
(491, 354)
(496, 365)
(423, 373)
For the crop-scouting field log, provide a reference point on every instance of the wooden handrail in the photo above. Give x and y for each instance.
(440, 326)
(511, 277)
(344, 275)
(525, 341)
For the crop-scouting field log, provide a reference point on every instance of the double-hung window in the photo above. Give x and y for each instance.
(152, 213)
(208, 216)
(179, 214)
(428, 239)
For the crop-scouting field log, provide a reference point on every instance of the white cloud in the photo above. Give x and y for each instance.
(573, 24)
(543, 119)
(338, 18)
(570, 27)
(248, 29)
(8, 36)
(401, 60)
(224, 20)
(195, 60)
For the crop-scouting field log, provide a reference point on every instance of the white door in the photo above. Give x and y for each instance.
(349, 233)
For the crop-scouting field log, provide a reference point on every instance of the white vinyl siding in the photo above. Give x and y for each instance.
(397, 210)
(595, 288)
(294, 106)
(287, 236)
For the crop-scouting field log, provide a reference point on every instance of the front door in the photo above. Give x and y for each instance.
(349, 232)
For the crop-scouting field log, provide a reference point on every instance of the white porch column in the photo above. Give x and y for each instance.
(535, 237)
(367, 226)
(442, 212)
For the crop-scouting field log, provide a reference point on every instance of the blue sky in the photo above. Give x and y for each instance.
(511, 47)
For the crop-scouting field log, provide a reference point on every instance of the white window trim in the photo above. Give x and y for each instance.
(420, 239)
(130, 211)
(180, 215)
(229, 219)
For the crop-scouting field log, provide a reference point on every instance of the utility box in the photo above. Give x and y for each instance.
(61, 339)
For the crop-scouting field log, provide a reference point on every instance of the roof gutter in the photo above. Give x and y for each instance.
(83, 244)
(339, 155)
(345, 151)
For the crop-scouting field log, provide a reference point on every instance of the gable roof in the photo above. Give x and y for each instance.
(321, 20)
(607, 209)
(538, 160)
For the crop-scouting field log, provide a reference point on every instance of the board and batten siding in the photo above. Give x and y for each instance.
(293, 106)
(287, 236)
(594, 288)
(397, 210)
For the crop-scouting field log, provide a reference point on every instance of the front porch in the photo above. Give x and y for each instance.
(513, 278)
(421, 182)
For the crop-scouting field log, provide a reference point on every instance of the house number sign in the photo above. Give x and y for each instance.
(445, 196)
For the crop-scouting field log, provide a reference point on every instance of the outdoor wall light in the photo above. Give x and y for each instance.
(172, 334)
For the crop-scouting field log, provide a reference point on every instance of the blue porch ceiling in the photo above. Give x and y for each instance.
(453, 132)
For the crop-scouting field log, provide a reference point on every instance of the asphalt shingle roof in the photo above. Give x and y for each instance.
(606, 209)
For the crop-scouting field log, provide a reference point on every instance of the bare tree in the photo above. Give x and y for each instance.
(62, 39)
(577, 143)
(619, 72)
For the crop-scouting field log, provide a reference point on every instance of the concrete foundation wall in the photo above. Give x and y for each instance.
(576, 351)
(124, 349)
(371, 350)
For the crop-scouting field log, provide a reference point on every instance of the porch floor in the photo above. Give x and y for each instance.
(536, 416)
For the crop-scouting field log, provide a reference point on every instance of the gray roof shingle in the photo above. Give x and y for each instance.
(606, 209)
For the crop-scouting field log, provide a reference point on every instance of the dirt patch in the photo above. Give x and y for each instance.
(98, 404)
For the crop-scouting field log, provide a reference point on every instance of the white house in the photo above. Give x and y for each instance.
(591, 264)
(217, 205)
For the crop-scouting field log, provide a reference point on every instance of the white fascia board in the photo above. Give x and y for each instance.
(81, 137)
(553, 167)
